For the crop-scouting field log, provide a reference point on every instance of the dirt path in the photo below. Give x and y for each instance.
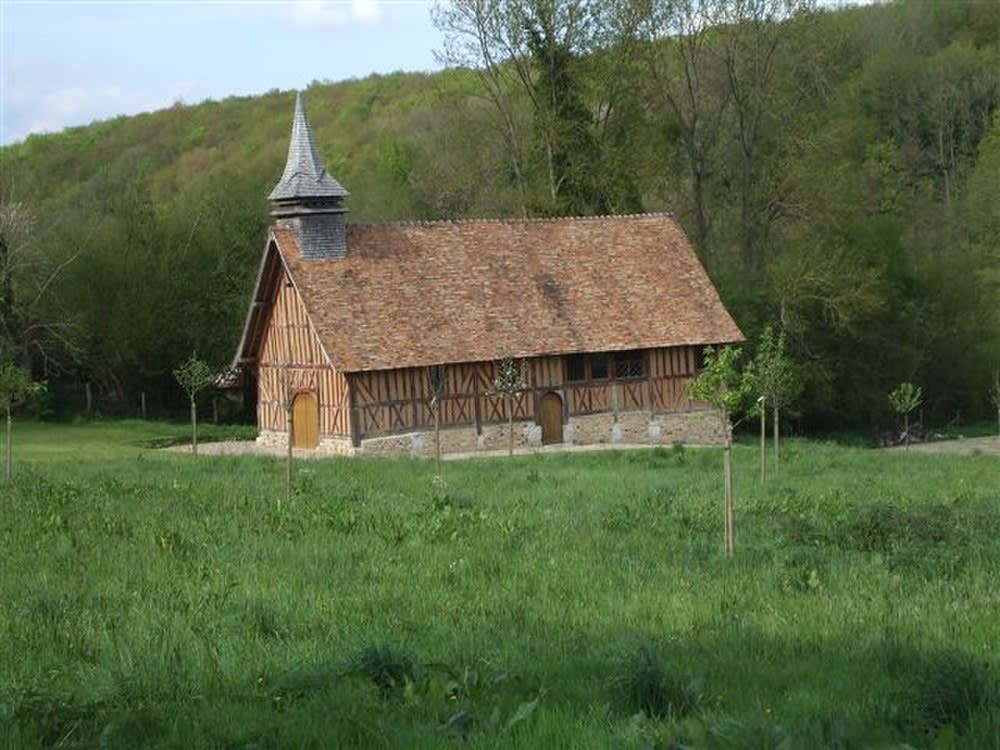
(243, 448)
(989, 446)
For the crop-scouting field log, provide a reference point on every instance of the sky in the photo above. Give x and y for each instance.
(65, 63)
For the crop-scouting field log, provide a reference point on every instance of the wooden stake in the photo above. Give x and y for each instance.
(290, 456)
(777, 442)
(142, 405)
(510, 425)
(436, 379)
(90, 398)
(437, 437)
(763, 441)
(290, 422)
(727, 471)
(8, 450)
(290, 413)
(194, 428)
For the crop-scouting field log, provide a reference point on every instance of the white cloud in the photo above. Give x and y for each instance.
(327, 14)
(317, 13)
(72, 102)
(41, 97)
(366, 11)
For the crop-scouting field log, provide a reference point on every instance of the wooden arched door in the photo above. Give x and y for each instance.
(305, 421)
(550, 416)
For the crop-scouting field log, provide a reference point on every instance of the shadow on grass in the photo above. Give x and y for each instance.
(666, 691)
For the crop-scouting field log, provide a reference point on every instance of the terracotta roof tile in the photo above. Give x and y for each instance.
(408, 295)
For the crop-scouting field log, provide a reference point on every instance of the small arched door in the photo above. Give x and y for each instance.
(305, 421)
(550, 416)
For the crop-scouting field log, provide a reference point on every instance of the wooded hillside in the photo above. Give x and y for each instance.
(837, 171)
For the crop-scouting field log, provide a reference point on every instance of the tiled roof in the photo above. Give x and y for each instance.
(305, 175)
(409, 295)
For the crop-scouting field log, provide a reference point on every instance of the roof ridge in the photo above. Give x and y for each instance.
(514, 220)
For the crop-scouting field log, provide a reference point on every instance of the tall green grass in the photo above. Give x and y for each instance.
(153, 599)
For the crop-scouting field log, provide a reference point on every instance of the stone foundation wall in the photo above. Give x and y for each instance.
(335, 446)
(700, 427)
(453, 440)
(272, 439)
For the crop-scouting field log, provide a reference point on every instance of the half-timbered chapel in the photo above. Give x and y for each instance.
(353, 329)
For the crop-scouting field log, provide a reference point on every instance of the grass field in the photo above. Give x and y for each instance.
(151, 599)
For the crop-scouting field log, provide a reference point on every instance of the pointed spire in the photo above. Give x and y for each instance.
(307, 199)
(305, 176)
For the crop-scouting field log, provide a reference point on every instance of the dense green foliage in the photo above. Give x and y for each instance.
(151, 600)
(838, 172)
(16, 386)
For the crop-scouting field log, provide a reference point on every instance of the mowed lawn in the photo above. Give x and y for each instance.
(154, 599)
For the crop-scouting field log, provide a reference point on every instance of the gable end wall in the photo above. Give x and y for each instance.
(291, 357)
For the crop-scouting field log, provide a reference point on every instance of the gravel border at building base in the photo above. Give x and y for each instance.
(250, 447)
(962, 447)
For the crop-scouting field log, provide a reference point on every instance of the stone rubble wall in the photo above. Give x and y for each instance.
(272, 439)
(698, 427)
(335, 446)
(453, 440)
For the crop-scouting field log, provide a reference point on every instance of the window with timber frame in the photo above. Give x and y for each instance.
(576, 368)
(630, 364)
(627, 365)
(599, 366)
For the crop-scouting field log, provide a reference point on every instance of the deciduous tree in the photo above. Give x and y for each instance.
(16, 387)
(438, 384)
(995, 396)
(32, 328)
(776, 379)
(751, 35)
(194, 376)
(721, 385)
(691, 82)
(528, 56)
(903, 400)
(508, 383)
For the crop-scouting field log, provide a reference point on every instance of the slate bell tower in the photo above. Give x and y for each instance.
(307, 199)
